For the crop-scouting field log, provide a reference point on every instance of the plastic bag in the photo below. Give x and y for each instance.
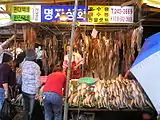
(19, 80)
(8, 111)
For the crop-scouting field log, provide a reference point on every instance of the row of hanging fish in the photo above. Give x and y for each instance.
(50, 52)
(49, 43)
(110, 94)
(29, 36)
(110, 53)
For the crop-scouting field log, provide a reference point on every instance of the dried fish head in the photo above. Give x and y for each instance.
(84, 85)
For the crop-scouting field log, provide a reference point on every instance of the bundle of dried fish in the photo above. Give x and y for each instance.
(110, 94)
(113, 53)
(30, 36)
(50, 52)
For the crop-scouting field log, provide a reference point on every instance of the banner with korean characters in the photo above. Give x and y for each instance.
(26, 13)
(53, 13)
(110, 14)
(98, 14)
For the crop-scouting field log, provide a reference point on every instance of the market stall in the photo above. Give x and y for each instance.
(102, 55)
(102, 85)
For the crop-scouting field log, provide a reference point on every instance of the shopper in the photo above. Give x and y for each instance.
(5, 73)
(5, 44)
(30, 82)
(12, 82)
(53, 95)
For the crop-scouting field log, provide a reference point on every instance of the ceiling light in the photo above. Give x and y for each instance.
(63, 17)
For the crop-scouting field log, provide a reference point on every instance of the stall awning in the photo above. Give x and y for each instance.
(152, 3)
(5, 19)
(34, 1)
(146, 69)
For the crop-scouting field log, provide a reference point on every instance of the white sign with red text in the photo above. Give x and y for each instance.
(120, 14)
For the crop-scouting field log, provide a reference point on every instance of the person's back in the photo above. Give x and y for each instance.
(30, 77)
(52, 94)
(55, 82)
(5, 69)
(30, 82)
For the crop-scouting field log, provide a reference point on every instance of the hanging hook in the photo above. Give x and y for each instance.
(86, 14)
(94, 27)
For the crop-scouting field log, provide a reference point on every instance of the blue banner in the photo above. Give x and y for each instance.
(52, 13)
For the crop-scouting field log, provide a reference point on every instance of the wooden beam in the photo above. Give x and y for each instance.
(8, 31)
(5, 12)
(148, 9)
(131, 2)
(94, 2)
(152, 20)
(35, 2)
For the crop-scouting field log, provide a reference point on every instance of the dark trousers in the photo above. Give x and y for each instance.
(28, 105)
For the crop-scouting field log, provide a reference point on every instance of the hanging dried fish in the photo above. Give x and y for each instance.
(29, 36)
(109, 55)
(50, 52)
(139, 38)
(77, 40)
(45, 62)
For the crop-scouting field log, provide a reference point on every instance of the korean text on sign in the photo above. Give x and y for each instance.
(121, 14)
(21, 9)
(98, 14)
(21, 13)
(52, 13)
(21, 18)
(26, 13)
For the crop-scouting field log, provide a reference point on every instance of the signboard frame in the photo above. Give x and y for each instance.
(98, 15)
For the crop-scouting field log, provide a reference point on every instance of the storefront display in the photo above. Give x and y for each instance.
(101, 54)
(119, 93)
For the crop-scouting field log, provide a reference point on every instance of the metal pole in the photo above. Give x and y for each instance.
(15, 41)
(65, 117)
(83, 49)
(140, 12)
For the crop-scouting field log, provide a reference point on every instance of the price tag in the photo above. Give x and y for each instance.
(94, 33)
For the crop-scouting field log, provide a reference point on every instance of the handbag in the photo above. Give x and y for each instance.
(19, 76)
(8, 111)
